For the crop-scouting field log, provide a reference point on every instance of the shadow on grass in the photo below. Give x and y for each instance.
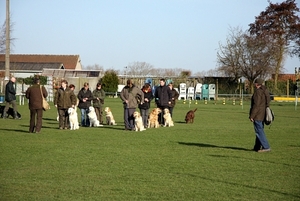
(14, 130)
(212, 146)
(261, 188)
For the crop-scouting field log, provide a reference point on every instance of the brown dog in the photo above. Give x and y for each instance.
(190, 115)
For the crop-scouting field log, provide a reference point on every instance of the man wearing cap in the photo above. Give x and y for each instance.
(35, 95)
(128, 96)
(259, 101)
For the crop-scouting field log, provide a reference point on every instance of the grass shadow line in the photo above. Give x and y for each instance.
(212, 146)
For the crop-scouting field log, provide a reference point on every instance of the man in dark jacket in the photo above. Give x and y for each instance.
(163, 98)
(259, 101)
(63, 100)
(85, 97)
(10, 98)
(34, 95)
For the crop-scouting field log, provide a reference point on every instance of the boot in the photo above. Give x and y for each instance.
(16, 115)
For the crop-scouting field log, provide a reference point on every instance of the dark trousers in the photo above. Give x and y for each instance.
(99, 114)
(161, 119)
(128, 118)
(63, 118)
(36, 116)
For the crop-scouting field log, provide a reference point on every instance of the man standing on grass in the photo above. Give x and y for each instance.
(10, 98)
(35, 95)
(259, 101)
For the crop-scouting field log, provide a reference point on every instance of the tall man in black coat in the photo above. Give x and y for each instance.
(163, 98)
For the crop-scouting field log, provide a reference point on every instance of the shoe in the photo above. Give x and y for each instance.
(100, 125)
(60, 128)
(264, 150)
(66, 128)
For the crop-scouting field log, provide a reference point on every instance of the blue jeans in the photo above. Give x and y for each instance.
(85, 121)
(261, 139)
(145, 115)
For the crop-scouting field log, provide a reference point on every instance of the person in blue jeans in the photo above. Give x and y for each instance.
(85, 97)
(259, 101)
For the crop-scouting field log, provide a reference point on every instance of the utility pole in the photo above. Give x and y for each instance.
(7, 42)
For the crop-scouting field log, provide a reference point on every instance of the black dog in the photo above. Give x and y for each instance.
(10, 112)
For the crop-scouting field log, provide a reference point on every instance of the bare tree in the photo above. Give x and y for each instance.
(245, 56)
(3, 37)
(94, 67)
(138, 69)
(280, 24)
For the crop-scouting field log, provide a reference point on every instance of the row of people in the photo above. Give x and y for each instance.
(65, 98)
(165, 97)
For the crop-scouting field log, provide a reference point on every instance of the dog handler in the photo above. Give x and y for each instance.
(63, 100)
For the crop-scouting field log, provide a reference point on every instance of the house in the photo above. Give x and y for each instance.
(26, 65)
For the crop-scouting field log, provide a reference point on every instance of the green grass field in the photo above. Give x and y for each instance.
(208, 160)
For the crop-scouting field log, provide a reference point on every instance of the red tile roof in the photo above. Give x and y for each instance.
(69, 61)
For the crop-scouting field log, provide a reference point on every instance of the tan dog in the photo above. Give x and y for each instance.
(109, 117)
(168, 119)
(153, 118)
(138, 122)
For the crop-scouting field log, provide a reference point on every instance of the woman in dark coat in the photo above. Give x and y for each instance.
(35, 95)
(144, 108)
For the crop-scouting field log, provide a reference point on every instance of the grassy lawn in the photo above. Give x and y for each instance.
(208, 160)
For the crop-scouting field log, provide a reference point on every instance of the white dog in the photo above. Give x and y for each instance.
(109, 117)
(93, 117)
(168, 119)
(138, 122)
(73, 118)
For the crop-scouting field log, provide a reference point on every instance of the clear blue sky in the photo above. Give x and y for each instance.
(114, 33)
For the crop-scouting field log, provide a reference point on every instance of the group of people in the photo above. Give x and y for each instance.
(165, 96)
(65, 98)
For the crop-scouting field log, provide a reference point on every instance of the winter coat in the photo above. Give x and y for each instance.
(84, 94)
(175, 96)
(130, 95)
(163, 96)
(10, 92)
(259, 101)
(64, 99)
(149, 96)
(98, 94)
(33, 94)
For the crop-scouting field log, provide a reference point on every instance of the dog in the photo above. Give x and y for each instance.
(10, 112)
(190, 115)
(138, 122)
(94, 122)
(109, 117)
(153, 118)
(168, 119)
(73, 118)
